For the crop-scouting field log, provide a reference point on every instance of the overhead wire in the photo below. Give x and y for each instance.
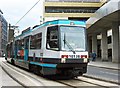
(27, 12)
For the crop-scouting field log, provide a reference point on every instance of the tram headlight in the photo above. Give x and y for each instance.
(85, 60)
(63, 58)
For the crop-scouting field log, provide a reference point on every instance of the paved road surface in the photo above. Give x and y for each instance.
(103, 73)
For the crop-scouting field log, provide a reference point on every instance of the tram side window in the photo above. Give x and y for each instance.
(36, 41)
(32, 42)
(15, 47)
(26, 42)
(16, 44)
(8, 47)
(21, 44)
(52, 38)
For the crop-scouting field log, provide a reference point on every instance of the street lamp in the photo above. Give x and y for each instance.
(12, 32)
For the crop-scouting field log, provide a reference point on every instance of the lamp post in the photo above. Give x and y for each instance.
(11, 32)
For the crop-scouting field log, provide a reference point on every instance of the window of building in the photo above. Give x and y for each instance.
(70, 10)
(109, 39)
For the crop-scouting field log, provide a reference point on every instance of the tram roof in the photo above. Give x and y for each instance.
(57, 22)
(63, 22)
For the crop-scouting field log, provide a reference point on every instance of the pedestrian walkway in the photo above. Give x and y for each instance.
(108, 65)
(109, 74)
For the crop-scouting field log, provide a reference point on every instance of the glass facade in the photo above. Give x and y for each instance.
(70, 10)
(73, 9)
(3, 34)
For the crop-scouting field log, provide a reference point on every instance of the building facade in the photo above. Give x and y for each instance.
(3, 33)
(105, 22)
(70, 9)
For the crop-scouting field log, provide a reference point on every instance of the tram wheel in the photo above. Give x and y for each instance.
(12, 61)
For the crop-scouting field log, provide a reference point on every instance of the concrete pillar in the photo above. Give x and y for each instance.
(119, 44)
(89, 44)
(116, 42)
(94, 43)
(104, 46)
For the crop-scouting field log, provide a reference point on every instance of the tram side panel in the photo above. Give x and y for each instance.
(36, 52)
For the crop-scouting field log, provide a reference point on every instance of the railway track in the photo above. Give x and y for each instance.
(73, 83)
(9, 78)
(21, 84)
(76, 83)
(40, 81)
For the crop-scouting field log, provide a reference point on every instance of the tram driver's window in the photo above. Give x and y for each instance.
(52, 38)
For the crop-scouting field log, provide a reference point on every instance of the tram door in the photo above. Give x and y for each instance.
(26, 48)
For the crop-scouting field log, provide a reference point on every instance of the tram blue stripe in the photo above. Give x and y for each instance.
(41, 64)
(61, 22)
(20, 60)
(55, 22)
(44, 64)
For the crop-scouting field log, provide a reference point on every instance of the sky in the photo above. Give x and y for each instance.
(13, 10)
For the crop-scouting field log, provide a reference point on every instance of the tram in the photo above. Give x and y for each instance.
(54, 47)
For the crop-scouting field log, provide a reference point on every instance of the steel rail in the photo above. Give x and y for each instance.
(61, 81)
(22, 85)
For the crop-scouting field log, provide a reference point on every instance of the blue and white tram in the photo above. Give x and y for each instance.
(55, 47)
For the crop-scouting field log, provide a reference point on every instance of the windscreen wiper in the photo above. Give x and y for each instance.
(68, 44)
